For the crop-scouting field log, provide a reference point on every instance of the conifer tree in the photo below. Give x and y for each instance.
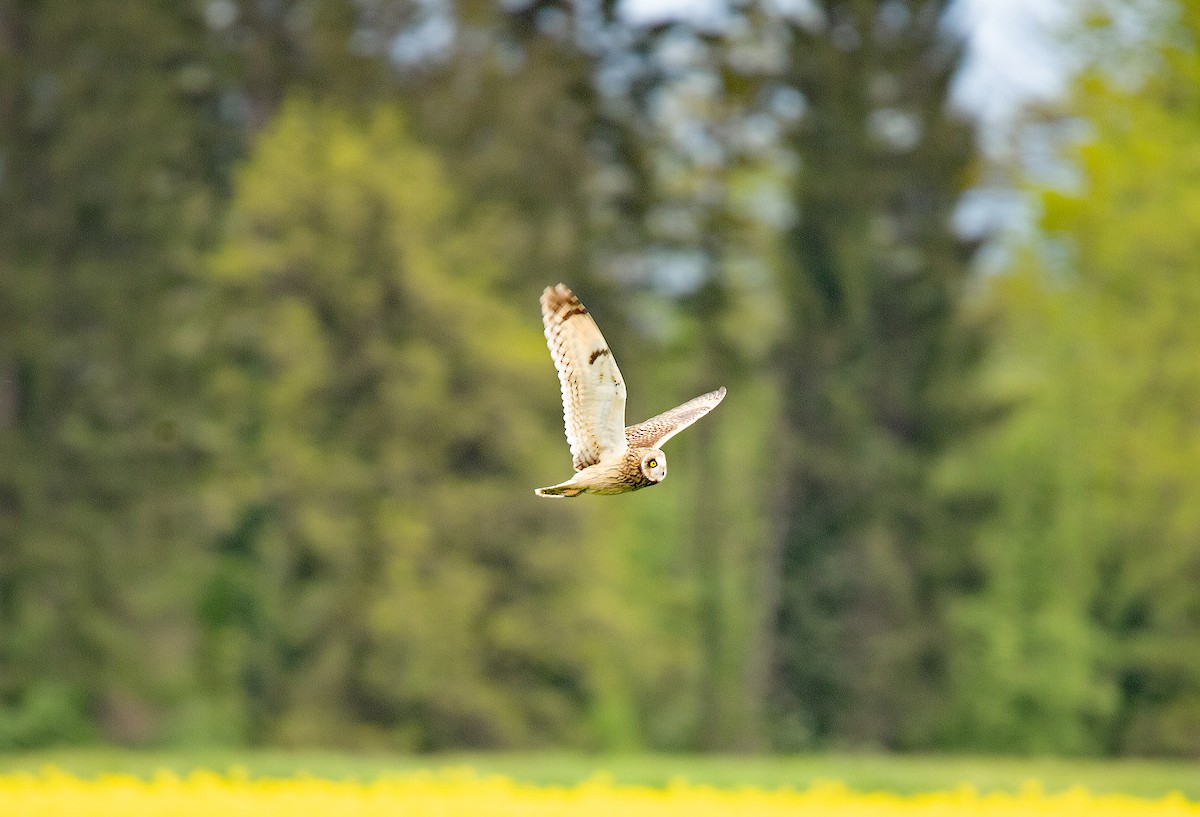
(105, 175)
(877, 366)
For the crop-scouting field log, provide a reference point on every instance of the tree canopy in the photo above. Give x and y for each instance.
(274, 396)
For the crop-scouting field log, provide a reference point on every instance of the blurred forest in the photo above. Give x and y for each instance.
(274, 394)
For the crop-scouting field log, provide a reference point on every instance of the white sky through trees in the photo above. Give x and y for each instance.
(1012, 59)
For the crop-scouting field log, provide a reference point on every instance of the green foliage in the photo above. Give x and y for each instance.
(269, 423)
(47, 715)
(97, 442)
(404, 573)
(1084, 636)
(877, 370)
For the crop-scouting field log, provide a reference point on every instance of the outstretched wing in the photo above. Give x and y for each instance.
(593, 390)
(657, 430)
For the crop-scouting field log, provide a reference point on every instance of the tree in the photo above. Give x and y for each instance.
(1087, 616)
(378, 398)
(877, 366)
(97, 440)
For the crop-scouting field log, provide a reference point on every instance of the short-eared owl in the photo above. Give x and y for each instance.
(610, 458)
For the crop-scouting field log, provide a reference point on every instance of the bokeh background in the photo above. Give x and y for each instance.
(274, 394)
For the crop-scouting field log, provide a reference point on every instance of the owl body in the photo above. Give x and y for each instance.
(609, 458)
(633, 469)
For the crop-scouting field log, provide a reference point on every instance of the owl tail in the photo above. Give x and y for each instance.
(559, 491)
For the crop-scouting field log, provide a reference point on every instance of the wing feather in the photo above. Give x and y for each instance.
(657, 430)
(593, 390)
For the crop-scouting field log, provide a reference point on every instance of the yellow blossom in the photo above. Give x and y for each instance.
(52, 793)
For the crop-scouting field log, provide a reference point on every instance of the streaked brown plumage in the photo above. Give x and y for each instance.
(610, 458)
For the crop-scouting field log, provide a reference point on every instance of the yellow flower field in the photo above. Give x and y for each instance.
(52, 793)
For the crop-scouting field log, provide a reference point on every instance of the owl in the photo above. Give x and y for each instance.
(610, 458)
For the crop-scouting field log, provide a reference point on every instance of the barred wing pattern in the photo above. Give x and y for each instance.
(593, 390)
(657, 430)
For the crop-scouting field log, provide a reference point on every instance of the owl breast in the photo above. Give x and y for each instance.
(617, 476)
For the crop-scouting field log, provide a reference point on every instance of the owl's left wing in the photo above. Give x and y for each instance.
(657, 430)
(593, 391)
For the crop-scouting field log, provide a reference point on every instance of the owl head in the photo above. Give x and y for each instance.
(654, 465)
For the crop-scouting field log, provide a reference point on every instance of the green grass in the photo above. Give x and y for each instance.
(898, 773)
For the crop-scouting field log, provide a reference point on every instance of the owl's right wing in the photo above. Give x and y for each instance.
(657, 430)
(593, 391)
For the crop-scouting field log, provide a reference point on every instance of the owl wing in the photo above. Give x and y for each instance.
(593, 390)
(657, 430)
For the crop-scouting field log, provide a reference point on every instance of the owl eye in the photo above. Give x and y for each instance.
(651, 463)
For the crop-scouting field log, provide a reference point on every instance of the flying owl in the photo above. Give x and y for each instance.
(610, 458)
